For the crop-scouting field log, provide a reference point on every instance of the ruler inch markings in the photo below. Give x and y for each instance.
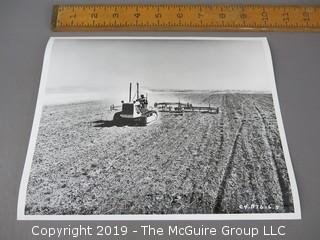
(185, 17)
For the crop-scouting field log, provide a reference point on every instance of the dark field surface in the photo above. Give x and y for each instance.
(231, 162)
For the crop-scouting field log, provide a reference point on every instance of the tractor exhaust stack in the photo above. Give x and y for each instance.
(130, 92)
(137, 90)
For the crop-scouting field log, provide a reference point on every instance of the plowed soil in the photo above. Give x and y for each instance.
(231, 162)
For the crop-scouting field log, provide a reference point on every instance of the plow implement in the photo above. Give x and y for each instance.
(178, 107)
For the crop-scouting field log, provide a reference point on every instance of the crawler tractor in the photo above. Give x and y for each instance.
(135, 112)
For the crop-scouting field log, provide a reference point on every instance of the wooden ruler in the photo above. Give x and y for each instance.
(186, 18)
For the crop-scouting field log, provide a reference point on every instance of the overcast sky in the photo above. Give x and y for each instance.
(109, 65)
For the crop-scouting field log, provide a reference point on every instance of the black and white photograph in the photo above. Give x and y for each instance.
(130, 128)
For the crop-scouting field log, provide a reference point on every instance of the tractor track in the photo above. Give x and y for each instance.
(227, 172)
(256, 186)
(286, 195)
(250, 168)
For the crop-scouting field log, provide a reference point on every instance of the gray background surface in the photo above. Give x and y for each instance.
(24, 31)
